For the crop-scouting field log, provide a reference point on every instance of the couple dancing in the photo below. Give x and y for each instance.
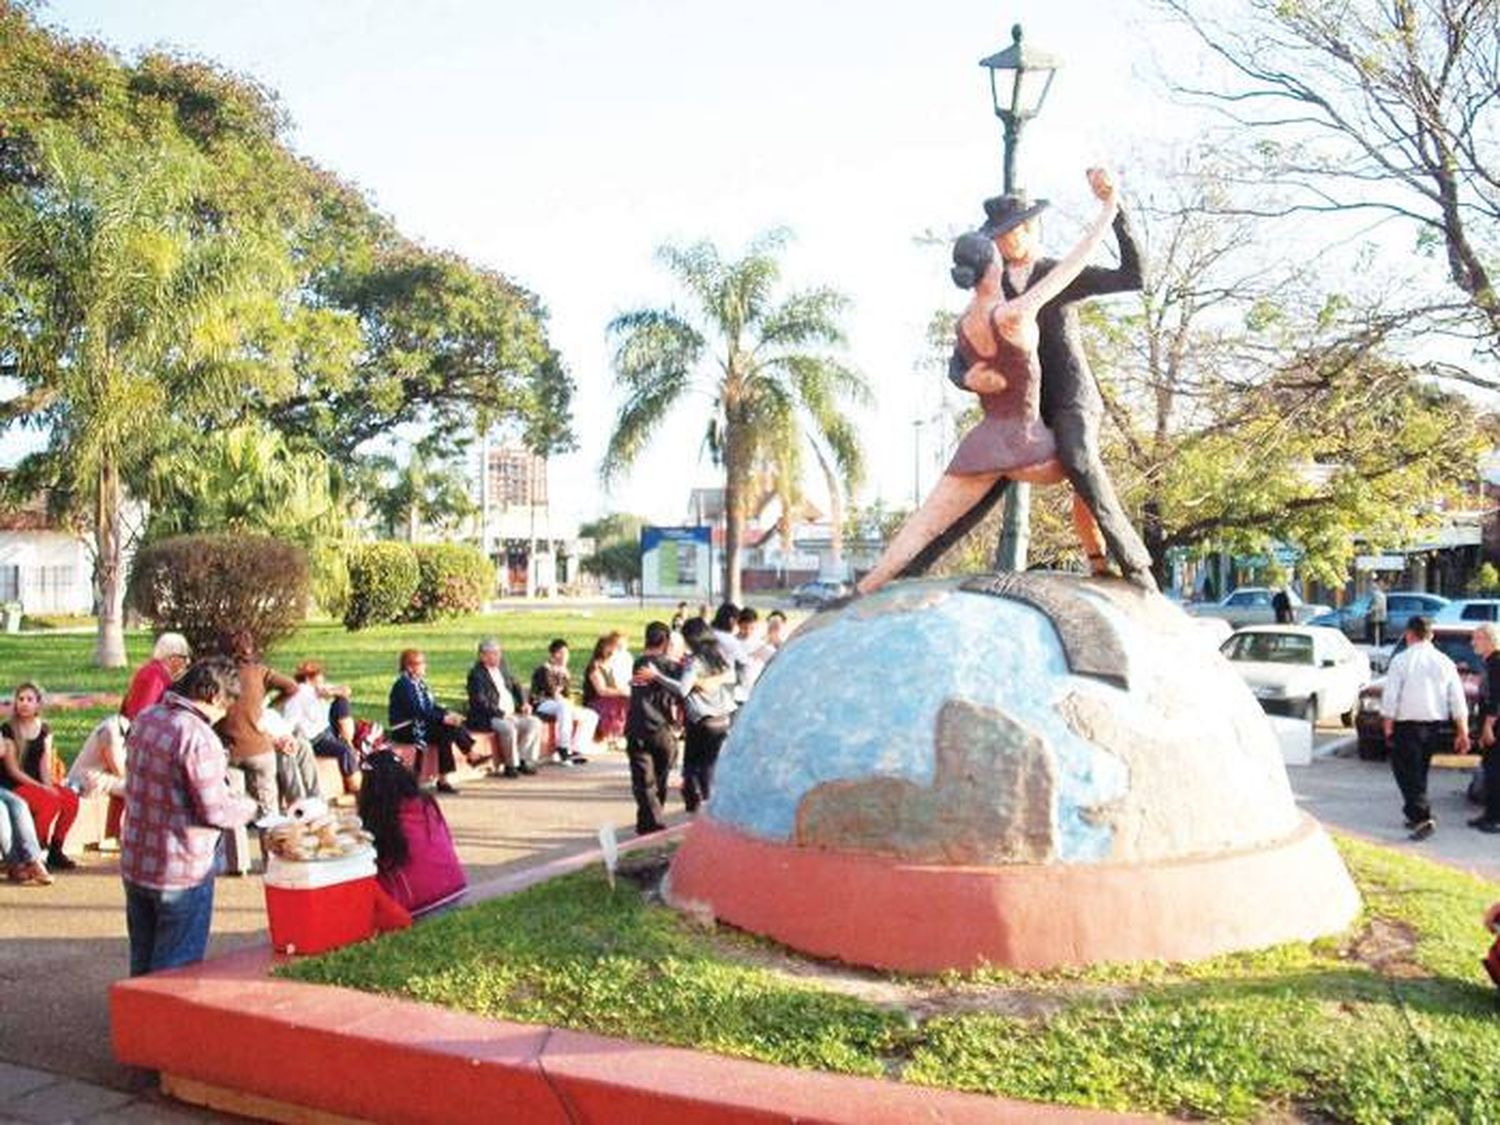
(1019, 350)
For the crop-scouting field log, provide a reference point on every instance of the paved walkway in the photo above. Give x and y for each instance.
(62, 946)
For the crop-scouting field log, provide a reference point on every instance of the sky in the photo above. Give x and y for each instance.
(562, 141)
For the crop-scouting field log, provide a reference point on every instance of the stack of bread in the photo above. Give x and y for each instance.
(313, 831)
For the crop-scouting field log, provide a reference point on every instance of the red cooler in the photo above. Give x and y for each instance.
(320, 904)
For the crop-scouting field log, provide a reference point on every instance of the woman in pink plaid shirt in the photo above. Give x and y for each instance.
(177, 805)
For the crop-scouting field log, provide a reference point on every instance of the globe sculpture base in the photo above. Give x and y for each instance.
(1026, 771)
(933, 918)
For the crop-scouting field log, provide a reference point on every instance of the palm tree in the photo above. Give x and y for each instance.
(765, 365)
(128, 309)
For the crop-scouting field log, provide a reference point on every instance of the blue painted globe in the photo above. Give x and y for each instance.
(1010, 719)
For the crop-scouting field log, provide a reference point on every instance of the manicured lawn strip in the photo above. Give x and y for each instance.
(1306, 1027)
(365, 660)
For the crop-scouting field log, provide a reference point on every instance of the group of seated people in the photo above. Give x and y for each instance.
(279, 725)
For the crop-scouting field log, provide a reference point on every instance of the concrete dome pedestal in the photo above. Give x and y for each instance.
(1026, 771)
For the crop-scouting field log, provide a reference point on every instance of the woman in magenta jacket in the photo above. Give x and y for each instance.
(416, 863)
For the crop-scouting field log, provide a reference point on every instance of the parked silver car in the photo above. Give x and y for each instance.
(1353, 620)
(1251, 605)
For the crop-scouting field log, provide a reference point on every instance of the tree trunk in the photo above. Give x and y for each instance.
(1154, 537)
(109, 584)
(736, 480)
(836, 517)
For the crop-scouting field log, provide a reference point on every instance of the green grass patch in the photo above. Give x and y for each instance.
(365, 660)
(1392, 1022)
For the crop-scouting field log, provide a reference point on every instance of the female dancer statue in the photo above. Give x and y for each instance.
(998, 339)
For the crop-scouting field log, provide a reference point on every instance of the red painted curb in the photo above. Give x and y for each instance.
(872, 910)
(226, 1023)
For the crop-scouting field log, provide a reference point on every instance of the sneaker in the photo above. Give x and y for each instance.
(1423, 829)
(33, 874)
(577, 760)
(565, 761)
(58, 861)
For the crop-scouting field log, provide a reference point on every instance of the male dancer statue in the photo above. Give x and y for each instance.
(1070, 404)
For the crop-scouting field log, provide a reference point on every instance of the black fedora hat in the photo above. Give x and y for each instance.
(1006, 211)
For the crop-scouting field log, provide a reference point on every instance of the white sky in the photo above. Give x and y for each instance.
(562, 140)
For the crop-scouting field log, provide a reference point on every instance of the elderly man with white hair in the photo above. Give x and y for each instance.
(498, 703)
(169, 659)
(1487, 644)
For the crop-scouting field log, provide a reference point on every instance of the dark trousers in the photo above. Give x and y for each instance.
(330, 745)
(167, 928)
(699, 759)
(1412, 748)
(441, 739)
(1492, 783)
(651, 759)
(1375, 630)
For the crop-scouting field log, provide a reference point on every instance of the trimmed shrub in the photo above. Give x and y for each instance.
(453, 580)
(205, 585)
(382, 581)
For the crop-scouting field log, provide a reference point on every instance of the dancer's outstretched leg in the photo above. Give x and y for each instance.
(951, 498)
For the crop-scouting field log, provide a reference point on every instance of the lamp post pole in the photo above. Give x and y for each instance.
(1012, 90)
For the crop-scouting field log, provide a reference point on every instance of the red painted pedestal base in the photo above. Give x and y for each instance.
(868, 909)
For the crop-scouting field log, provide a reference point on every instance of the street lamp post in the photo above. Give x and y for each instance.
(1020, 77)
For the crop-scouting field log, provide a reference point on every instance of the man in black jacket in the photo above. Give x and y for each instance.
(498, 703)
(1070, 404)
(651, 728)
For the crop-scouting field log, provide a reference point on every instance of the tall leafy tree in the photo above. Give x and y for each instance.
(768, 367)
(126, 305)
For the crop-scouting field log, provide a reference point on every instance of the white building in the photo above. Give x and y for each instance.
(44, 566)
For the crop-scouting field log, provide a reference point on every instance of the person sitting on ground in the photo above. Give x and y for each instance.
(250, 748)
(498, 703)
(27, 770)
(651, 728)
(415, 718)
(319, 712)
(416, 863)
(604, 693)
(19, 850)
(169, 658)
(550, 685)
(177, 805)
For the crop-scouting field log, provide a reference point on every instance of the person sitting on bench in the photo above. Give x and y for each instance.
(498, 703)
(550, 685)
(416, 719)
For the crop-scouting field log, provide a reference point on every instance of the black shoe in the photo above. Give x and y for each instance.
(1423, 829)
(446, 786)
(1473, 821)
(510, 771)
(56, 861)
(1492, 827)
(526, 769)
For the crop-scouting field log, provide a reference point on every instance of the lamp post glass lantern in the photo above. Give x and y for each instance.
(1020, 78)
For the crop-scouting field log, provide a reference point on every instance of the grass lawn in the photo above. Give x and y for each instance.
(1393, 1022)
(365, 660)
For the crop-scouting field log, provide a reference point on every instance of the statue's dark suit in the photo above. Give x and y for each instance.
(1071, 406)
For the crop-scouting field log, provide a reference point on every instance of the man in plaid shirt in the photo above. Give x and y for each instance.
(177, 805)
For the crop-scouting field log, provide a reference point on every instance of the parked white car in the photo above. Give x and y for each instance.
(1305, 671)
(1468, 610)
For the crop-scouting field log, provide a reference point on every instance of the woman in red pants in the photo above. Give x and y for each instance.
(26, 768)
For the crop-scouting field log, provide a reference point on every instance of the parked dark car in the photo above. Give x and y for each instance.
(1457, 643)
(819, 592)
(1400, 605)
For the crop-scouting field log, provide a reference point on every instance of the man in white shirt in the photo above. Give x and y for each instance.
(1423, 695)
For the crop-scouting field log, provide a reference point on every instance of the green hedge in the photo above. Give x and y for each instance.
(383, 579)
(453, 580)
(204, 586)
